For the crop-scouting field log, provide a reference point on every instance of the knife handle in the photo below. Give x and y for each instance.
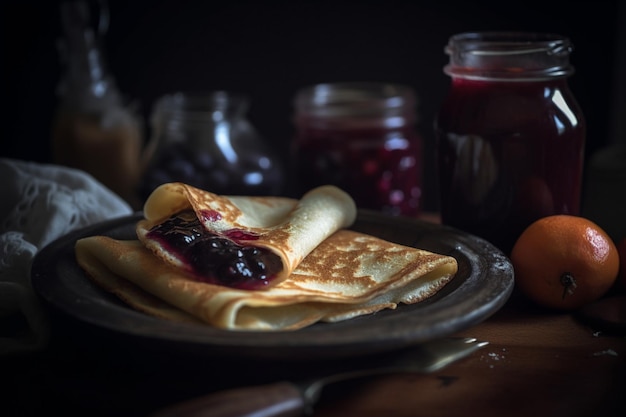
(280, 399)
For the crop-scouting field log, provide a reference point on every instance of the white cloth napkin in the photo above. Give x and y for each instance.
(38, 204)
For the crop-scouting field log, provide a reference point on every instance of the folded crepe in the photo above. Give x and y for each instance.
(284, 230)
(325, 273)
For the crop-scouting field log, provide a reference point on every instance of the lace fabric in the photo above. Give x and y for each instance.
(39, 204)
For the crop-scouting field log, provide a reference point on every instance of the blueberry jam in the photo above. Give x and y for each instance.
(217, 259)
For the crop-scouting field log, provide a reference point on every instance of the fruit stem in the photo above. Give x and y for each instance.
(569, 284)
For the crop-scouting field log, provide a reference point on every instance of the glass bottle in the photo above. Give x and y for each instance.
(362, 138)
(205, 140)
(510, 134)
(93, 130)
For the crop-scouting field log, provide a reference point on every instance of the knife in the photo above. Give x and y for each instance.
(293, 399)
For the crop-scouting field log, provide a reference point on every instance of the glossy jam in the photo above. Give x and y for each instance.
(508, 153)
(379, 168)
(216, 259)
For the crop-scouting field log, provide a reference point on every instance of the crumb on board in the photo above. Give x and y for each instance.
(609, 352)
(493, 356)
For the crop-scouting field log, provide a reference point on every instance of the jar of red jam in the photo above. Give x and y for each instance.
(510, 134)
(362, 138)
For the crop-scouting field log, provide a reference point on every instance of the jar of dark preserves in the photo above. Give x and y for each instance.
(205, 140)
(510, 134)
(362, 138)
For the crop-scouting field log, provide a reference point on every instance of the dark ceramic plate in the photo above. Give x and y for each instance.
(482, 285)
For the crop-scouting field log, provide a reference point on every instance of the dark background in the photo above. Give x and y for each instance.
(269, 49)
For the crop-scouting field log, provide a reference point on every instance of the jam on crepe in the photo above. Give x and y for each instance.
(222, 260)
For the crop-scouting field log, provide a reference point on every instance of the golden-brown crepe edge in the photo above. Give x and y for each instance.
(292, 304)
(289, 228)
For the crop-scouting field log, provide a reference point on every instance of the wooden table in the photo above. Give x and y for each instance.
(537, 363)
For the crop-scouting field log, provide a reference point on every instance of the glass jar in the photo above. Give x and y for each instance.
(205, 140)
(93, 129)
(510, 134)
(362, 138)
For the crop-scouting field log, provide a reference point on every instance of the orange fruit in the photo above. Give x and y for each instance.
(564, 262)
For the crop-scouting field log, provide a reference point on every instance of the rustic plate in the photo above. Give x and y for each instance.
(482, 285)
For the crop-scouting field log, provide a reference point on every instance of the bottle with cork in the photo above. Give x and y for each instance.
(93, 130)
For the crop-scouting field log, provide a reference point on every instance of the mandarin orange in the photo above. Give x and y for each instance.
(564, 262)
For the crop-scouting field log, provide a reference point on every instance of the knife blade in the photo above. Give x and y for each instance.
(292, 399)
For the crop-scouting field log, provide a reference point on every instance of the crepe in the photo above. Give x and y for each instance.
(289, 229)
(347, 275)
(337, 274)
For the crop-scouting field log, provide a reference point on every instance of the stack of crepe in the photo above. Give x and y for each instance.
(329, 273)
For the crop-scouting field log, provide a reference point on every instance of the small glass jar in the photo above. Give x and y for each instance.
(362, 138)
(205, 140)
(510, 134)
